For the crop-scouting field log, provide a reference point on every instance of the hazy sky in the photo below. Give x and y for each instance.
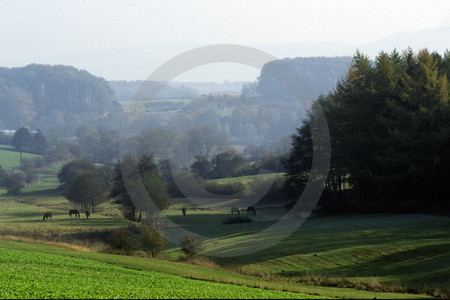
(34, 30)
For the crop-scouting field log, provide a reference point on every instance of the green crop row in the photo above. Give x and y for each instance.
(25, 274)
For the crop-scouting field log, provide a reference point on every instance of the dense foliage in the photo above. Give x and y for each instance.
(85, 184)
(42, 96)
(137, 185)
(389, 122)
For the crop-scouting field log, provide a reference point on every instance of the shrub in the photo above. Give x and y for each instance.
(225, 188)
(29, 164)
(237, 219)
(122, 239)
(191, 244)
(14, 182)
(153, 241)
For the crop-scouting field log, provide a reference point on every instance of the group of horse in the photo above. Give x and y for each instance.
(250, 210)
(234, 210)
(73, 213)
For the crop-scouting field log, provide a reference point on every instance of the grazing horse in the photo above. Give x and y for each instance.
(183, 210)
(74, 212)
(88, 214)
(251, 209)
(47, 215)
(235, 210)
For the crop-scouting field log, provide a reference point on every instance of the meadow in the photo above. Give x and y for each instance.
(9, 158)
(351, 256)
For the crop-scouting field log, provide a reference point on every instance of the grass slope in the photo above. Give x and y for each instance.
(10, 158)
(26, 274)
(408, 250)
(209, 274)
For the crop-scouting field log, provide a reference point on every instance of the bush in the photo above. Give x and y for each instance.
(14, 182)
(122, 239)
(153, 241)
(237, 219)
(191, 244)
(31, 177)
(225, 188)
(29, 164)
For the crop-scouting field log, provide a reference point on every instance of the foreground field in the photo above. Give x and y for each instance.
(26, 274)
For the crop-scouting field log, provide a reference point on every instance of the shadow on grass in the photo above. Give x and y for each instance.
(41, 193)
(334, 233)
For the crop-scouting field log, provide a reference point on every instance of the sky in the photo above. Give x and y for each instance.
(104, 36)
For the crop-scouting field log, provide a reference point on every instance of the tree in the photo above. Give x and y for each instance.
(153, 241)
(2, 176)
(389, 125)
(138, 187)
(87, 190)
(22, 141)
(14, 182)
(227, 164)
(70, 170)
(39, 142)
(127, 165)
(205, 141)
(202, 167)
(192, 245)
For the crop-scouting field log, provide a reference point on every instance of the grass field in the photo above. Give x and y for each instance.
(10, 158)
(352, 256)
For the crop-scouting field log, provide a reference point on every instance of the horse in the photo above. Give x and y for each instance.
(47, 215)
(183, 210)
(235, 210)
(88, 214)
(74, 212)
(251, 209)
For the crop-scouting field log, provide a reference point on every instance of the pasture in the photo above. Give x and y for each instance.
(10, 159)
(352, 256)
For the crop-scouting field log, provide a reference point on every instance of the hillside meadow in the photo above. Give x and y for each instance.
(350, 256)
(10, 159)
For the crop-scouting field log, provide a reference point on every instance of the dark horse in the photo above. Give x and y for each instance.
(47, 215)
(235, 210)
(183, 210)
(74, 212)
(251, 209)
(88, 214)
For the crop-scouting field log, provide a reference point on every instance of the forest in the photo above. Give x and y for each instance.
(389, 125)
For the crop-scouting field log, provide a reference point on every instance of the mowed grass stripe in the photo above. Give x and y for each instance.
(28, 275)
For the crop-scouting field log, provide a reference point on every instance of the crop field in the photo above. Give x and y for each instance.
(26, 274)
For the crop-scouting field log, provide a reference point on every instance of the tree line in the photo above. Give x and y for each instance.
(389, 123)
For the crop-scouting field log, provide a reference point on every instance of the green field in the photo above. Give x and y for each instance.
(28, 274)
(352, 256)
(10, 158)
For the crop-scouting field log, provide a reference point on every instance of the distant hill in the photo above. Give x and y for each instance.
(40, 96)
(140, 90)
(311, 76)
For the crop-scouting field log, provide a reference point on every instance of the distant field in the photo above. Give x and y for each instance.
(11, 159)
(247, 180)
